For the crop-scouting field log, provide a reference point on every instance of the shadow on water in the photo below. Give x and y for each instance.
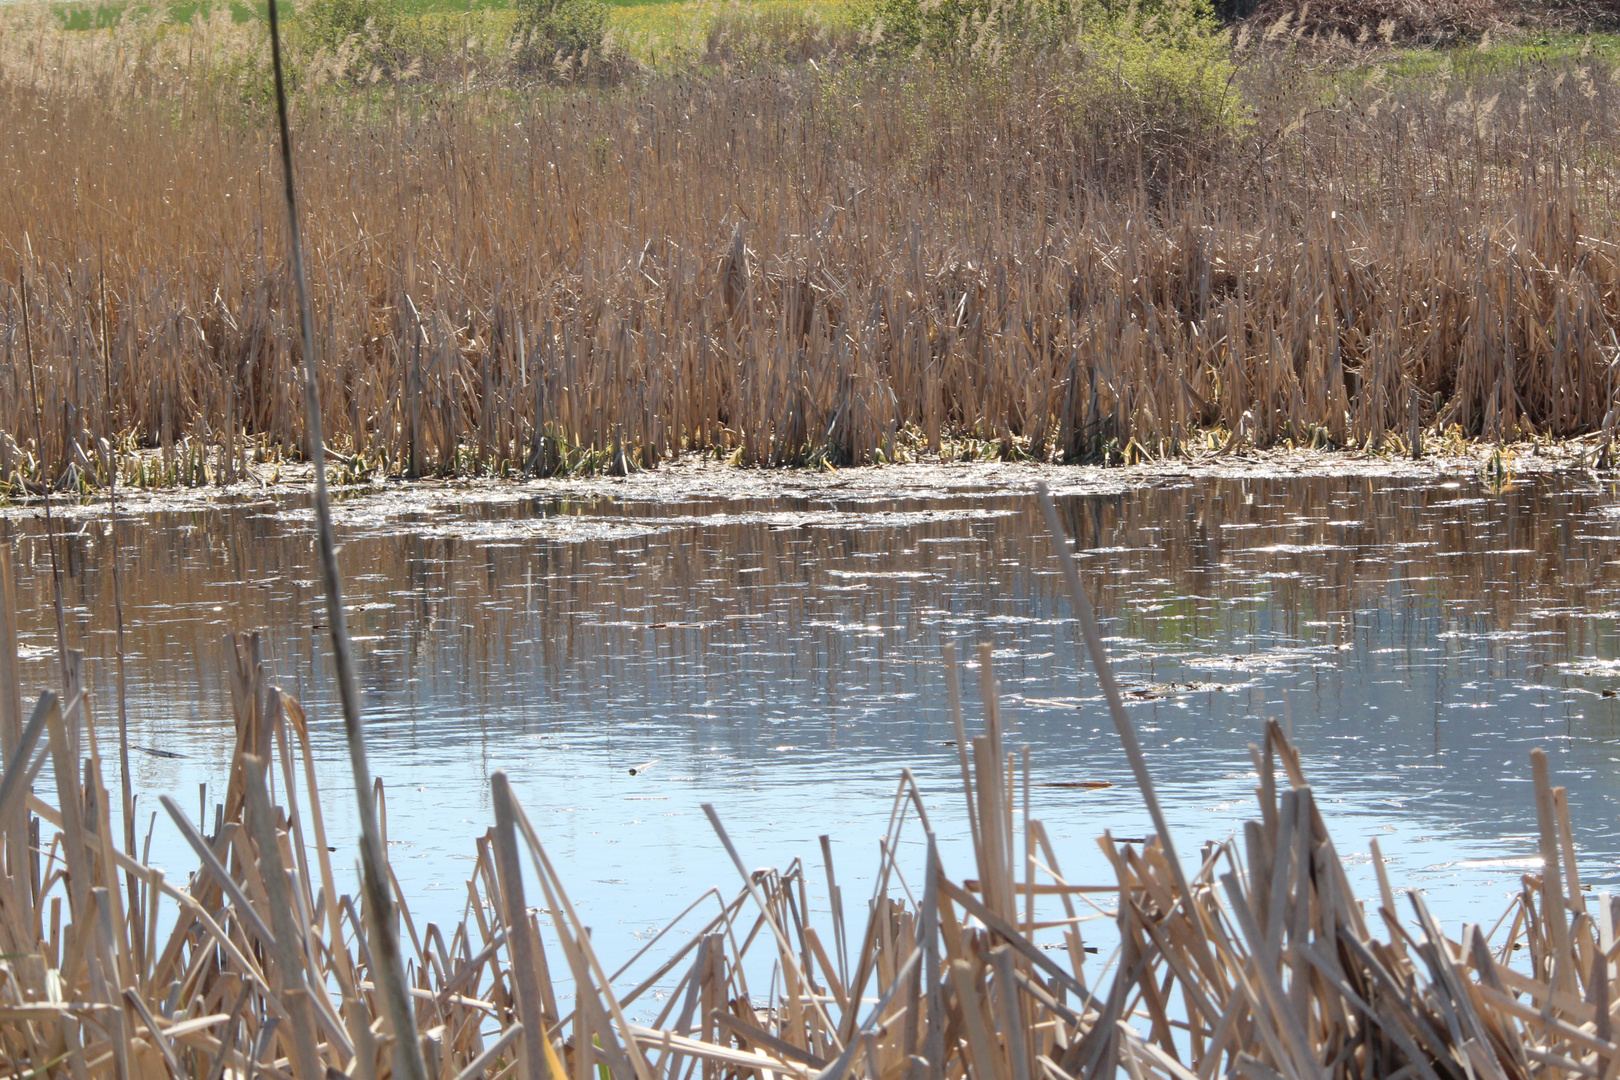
(782, 658)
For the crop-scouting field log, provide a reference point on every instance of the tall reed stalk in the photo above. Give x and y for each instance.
(379, 897)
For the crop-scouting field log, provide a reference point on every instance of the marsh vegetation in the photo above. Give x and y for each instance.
(1045, 231)
(1033, 229)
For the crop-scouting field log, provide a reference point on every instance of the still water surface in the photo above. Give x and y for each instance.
(781, 659)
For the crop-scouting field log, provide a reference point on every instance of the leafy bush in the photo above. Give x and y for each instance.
(942, 27)
(1146, 86)
(1152, 100)
(367, 27)
(1172, 67)
(549, 30)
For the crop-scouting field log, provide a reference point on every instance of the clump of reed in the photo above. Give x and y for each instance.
(1383, 22)
(1255, 960)
(782, 263)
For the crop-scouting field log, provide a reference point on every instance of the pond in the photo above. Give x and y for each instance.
(778, 654)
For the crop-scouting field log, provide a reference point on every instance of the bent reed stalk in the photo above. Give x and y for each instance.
(785, 264)
(1259, 963)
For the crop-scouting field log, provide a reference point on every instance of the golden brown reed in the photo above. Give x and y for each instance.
(1260, 964)
(795, 264)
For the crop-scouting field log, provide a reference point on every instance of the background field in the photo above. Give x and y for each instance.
(655, 19)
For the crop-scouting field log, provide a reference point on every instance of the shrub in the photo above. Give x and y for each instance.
(364, 28)
(954, 26)
(942, 26)
(1171, 68)
(1151, 102)
(1146, 86)
(552, 30)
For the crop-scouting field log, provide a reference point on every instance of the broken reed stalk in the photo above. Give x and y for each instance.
(379, 898)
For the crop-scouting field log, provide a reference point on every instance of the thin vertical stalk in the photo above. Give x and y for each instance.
(44, 472)
(126, 789)
(389, 975)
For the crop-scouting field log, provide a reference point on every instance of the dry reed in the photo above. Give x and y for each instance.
(790, 265)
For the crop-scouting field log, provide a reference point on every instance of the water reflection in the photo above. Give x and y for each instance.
(782, 659)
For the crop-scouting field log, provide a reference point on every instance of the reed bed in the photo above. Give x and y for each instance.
(782, 263)
(1253, 960)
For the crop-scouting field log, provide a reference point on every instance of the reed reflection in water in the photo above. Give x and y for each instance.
(782, 659)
